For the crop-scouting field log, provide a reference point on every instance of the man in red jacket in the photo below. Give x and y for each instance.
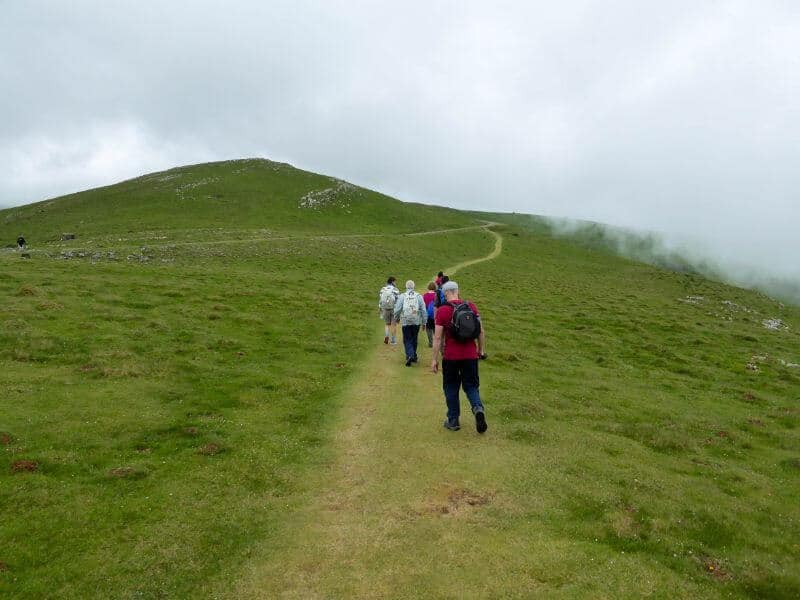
(459, 361)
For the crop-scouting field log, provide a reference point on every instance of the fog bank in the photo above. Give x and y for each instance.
(682, 254)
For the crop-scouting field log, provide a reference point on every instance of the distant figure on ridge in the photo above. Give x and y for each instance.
(458, 326)
(428, 298)
(410, 309)
(387, 298)
(20, 243)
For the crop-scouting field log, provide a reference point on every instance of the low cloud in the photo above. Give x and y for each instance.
(683, 254)
(676, 117)
(103, 153)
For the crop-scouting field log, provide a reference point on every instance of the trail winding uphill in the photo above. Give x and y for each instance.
(498, 248)
(396, 471)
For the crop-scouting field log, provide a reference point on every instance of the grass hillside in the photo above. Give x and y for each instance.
(240, 198)
(197, 403)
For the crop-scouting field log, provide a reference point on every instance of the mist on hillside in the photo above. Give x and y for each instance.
(683, 255)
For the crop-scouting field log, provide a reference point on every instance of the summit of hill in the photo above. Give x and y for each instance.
(235, 194)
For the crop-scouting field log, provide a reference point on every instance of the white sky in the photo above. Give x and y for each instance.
(679, 117)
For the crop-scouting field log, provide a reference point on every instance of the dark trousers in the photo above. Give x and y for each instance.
(430, 327)
(457, 374)
(410, 337)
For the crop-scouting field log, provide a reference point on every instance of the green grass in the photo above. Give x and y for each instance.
(141, 366)
(182, 402)
(227, 200)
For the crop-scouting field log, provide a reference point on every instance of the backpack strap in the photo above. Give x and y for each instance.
(454, 305)
(464, 302)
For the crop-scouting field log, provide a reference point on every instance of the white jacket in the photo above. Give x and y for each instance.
(422, 314)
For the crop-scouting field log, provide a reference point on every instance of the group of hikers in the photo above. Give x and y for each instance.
(454, 331)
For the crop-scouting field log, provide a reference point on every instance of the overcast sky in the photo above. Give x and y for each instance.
(680, 117)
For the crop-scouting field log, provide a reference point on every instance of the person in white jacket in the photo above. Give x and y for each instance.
(387, 298)
(410, 310)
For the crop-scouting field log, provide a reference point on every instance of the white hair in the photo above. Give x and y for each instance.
(409, 285)
(450, 286)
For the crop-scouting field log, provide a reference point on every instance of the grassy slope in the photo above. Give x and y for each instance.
(632, 420)
(112, 365)
(243, 198)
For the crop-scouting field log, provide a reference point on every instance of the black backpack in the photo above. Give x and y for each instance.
(465, 324)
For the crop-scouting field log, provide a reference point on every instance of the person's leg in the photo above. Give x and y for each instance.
(414, 341)
(429, 330)
(408, 342)
(393, 330)
(471, 384)
(451, 381)
(387, 317)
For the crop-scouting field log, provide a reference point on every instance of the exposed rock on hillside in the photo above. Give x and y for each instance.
(332, 197)
(774, 324)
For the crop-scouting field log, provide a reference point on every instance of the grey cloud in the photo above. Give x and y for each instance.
(676, 117)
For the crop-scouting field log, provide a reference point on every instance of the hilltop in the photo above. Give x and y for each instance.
(218, 200)
(197, 403)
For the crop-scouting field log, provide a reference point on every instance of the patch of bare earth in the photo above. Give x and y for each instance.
(210, 416)
(210, 449)
(3, 567)
(719, 435)
(625, 524)
(27, 290)
(24, 466)
(122, 472)
(456, 501)
(120, 372)
(48, 305)
(715, 568)
(5, 439)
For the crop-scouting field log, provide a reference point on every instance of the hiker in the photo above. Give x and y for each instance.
(439, 299)
(458, 327)
(387, 298)
(410, 309)
(428, 298)
(438, 281)
(21, 243)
